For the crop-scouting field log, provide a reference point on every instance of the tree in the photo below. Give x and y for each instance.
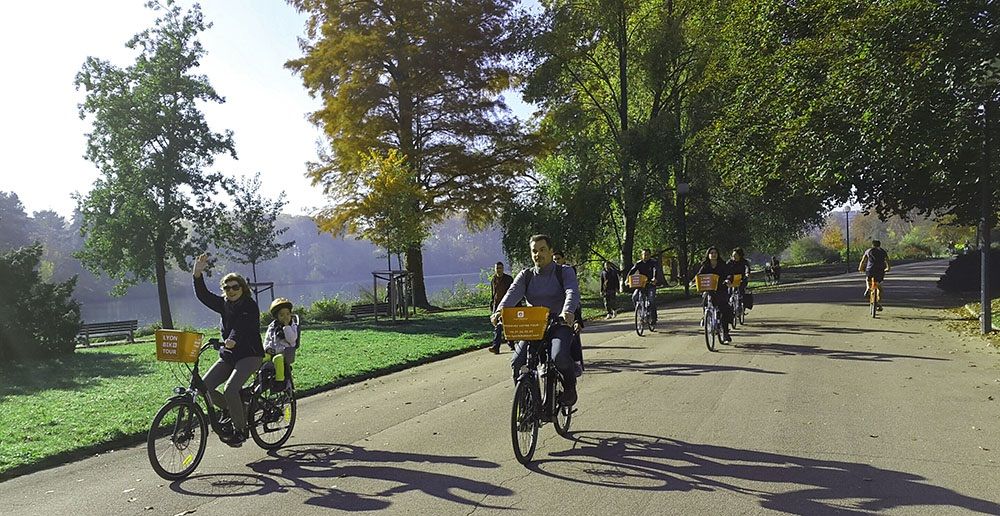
(13, 222)
(37, 319)
(612, 70)
(151, 144)
(423, 78)
(245, 229)
(383, 205)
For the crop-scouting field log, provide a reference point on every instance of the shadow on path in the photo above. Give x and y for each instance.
(605, 366)
(867, 356)
(795, 485)
(317, 468)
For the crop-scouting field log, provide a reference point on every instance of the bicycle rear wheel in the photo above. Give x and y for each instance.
(524, 421)
(271, 417)
(640, 317)
(564, 415)
(873, 298)
(176, 440)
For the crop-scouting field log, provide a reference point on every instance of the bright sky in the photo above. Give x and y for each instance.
(42, 138)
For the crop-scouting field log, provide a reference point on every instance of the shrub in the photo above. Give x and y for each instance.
(462, 295)
(328, 309)
(962, 274)
(37, 319)
(807, 250)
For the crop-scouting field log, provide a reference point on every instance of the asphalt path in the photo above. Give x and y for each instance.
(816, 409)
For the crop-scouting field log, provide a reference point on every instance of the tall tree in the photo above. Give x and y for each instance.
(423, 77)
(151, 143)
(615, 70)
(245, 228)
(13, 222)
(380, 207)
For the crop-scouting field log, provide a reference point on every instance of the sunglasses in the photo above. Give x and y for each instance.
(231, 288)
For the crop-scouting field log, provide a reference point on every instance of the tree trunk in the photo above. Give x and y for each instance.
(415, 266)
(161, 287)
(628, 241)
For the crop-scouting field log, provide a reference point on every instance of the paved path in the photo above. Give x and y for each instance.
(820, 410)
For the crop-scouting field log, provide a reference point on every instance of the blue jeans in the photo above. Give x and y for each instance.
(562, 340)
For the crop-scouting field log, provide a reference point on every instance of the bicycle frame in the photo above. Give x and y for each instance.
(529, 372)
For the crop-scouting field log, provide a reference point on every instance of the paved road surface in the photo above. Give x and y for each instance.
(821, 410)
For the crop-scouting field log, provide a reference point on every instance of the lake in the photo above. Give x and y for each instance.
(187, 310)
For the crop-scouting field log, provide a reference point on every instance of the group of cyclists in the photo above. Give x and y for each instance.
(549, 283)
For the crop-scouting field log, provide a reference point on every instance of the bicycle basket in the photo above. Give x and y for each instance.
(737, 280)
(177, 346)
(707, 282)
(524, 322)
(637, 280)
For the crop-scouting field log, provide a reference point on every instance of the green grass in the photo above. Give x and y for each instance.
(59, 410)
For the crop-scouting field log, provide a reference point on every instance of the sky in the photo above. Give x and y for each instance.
(44, 45)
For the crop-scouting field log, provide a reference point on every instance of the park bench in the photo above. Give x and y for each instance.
(104, 329)
(368, 310)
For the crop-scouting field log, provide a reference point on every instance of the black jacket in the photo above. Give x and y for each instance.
(240, 322)
(722, 270)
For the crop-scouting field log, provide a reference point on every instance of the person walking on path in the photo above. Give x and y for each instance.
(609, 289)
(499, 284)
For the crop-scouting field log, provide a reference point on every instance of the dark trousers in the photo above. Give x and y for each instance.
(562, 341)
(610, 304)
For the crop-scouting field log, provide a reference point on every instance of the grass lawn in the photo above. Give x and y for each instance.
(100, 398)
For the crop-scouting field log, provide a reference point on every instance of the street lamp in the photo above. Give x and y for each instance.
(847, 223)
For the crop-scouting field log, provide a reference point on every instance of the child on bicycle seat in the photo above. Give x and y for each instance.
(282, 338)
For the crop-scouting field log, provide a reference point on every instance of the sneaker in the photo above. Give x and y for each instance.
(878, 308)
(726, 339)
(495, 349)
(568, 397)
(234, 439)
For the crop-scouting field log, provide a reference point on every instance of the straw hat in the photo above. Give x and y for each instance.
(278, 304)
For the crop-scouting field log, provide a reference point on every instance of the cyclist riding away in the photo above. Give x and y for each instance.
(243, 351)
(720, 296)
(650, 268)
(555, 287)
(875, 263)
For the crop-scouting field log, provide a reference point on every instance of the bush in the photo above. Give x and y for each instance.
(37, 319)
(328, 309)
(462, 295)
(962, 274)
(807, 250)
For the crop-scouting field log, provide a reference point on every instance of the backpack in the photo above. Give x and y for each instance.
(528, 274)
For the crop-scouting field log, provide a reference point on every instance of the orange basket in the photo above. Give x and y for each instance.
(177, 346)
(737, 280)
(707, 282)
(637, 280)
(524, 322)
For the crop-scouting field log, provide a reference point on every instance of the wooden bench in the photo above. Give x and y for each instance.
(365, 310)
(88, 330)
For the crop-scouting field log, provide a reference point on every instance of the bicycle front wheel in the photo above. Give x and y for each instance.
(271, 417)
(710, 331)
(524, 421)
(176, 440)
(639, 320)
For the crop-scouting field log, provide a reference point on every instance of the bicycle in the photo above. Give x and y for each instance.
(533, 406)
(736, 300)
(643, 313)
(179, 431)
(712, 322)
(874, 296)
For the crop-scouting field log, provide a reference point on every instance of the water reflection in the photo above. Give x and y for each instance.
(187, 310)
